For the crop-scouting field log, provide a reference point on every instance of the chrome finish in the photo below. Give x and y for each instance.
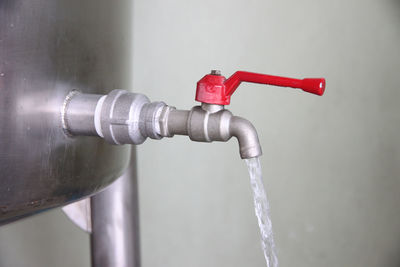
(115, 222)
(47, 49)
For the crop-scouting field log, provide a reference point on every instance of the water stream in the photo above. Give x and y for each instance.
(261, 207)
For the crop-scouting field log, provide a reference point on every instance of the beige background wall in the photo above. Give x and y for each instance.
(331, 164)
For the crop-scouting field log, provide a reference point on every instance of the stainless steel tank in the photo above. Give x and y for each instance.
(47, 49)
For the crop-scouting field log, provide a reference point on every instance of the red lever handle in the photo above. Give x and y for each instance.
(216, 89)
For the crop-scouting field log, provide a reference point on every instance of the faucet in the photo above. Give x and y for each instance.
(122, 117)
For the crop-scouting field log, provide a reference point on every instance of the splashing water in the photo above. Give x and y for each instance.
(261, 207)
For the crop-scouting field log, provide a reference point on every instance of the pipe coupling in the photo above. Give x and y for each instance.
(120, 117)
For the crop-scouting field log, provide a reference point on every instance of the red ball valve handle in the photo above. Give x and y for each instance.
(216, 89)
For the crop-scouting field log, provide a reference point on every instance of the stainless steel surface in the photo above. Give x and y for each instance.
(79, 120)
(120, 117)
(149, 123)
(115, 222)
(47, 49)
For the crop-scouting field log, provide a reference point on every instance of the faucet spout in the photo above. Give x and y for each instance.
(247, 137)
(209, 123)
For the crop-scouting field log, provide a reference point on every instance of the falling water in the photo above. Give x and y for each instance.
(261, 207)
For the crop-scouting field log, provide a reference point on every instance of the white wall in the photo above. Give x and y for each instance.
(44, 240)
(331, 164)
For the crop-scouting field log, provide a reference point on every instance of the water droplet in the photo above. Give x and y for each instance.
(2, 74)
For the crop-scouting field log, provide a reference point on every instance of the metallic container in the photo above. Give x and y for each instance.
(47, 49)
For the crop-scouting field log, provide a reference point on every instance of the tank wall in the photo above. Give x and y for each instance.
(47, 49)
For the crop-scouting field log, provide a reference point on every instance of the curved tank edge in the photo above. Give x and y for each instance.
(20, 214)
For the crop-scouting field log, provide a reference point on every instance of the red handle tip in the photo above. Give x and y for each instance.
(314, 85)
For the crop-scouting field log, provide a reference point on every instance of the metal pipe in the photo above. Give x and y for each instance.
(79, 120)
(177, 122)
(115, 222)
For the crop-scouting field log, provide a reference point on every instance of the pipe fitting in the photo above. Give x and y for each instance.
(119, 116)
(78, 113)
(149, 119)
(122, 117)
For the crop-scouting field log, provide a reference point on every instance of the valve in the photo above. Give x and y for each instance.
(122, 117)
(216, 89)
